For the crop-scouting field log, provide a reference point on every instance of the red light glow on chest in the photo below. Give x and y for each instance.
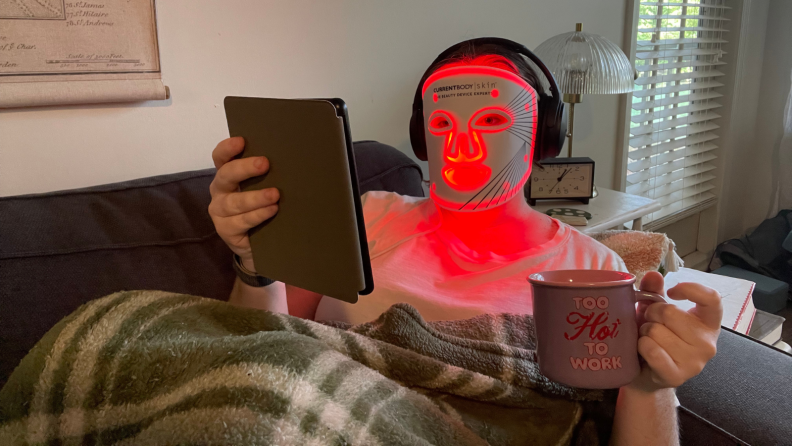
(464, 146)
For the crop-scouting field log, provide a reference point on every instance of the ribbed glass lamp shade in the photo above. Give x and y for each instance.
(584, 63)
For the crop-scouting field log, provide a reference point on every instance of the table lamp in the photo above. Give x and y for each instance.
(584, 63)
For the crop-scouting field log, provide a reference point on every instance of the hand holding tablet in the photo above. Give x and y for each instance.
(317, 239)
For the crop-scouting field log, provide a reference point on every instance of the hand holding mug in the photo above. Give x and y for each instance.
(677, 344)
(587, 329)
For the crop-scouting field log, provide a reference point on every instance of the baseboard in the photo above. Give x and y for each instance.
(697, 260)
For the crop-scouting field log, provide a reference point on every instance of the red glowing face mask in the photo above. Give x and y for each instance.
(481, 124)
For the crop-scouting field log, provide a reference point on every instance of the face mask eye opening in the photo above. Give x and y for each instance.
(491, 120)
(440, 123)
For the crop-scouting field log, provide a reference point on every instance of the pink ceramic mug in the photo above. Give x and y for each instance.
(586, 329)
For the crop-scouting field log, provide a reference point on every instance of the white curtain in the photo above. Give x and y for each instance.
(782, 165)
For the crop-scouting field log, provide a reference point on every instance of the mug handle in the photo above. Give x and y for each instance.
(646, 295)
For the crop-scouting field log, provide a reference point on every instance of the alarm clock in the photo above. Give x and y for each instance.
(561, 179)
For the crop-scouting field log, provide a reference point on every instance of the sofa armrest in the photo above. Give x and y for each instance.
(744, 390)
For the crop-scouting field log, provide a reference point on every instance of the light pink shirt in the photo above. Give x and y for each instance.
(417, 262)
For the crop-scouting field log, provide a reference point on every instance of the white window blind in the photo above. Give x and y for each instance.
(673, 139)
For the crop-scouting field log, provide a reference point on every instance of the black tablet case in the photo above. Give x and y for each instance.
(317, 239)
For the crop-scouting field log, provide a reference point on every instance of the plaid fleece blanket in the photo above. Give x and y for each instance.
(151, 368)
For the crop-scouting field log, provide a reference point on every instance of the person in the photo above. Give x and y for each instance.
(453, 260)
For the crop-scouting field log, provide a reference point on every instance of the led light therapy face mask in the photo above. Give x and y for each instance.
(480, 129)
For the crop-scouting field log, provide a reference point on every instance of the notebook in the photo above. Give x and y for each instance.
(738, 307)
(767, 327)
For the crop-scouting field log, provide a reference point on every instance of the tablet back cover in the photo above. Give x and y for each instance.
(313, 241)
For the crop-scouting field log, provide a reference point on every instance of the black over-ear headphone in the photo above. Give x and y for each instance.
(551, 123)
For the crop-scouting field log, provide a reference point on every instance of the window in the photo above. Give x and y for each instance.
(673, 139)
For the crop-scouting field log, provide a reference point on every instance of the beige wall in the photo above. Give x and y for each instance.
(756, 126)
(370, 53)
(775, 86)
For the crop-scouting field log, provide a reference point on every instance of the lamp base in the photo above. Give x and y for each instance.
(571, 99)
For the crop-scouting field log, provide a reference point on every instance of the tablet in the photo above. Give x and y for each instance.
(317, 240)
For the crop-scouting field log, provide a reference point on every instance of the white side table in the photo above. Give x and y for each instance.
(611, 208)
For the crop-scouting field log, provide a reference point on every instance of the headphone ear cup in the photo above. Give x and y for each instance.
(418, 135)
(541, 142)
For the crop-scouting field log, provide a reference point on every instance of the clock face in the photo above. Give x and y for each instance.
(561, 181)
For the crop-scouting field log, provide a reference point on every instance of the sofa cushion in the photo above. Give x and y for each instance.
(62, 249)
(744, 389)
(696, 431)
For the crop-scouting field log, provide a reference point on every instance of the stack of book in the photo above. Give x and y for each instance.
(767, 327)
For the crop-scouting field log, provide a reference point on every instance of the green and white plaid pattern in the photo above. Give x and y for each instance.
(150, 368)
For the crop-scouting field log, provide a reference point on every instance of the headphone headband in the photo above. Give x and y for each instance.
(551, 127)
(505, 43)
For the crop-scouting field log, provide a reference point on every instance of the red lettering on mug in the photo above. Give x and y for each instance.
(596, 325)
(608, 332)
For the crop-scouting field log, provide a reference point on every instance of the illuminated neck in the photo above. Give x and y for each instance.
(507, 229)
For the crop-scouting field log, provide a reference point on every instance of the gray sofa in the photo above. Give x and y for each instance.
(59, 250)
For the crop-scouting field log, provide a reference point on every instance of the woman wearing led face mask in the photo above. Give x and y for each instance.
(468, 249)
